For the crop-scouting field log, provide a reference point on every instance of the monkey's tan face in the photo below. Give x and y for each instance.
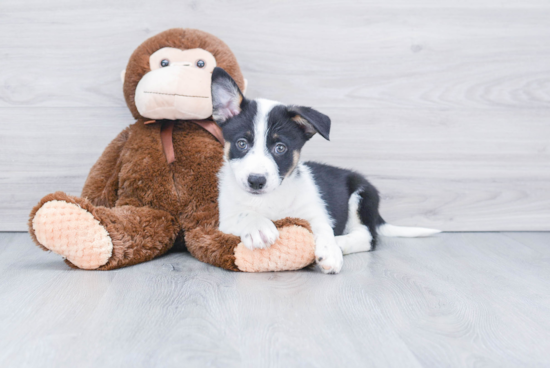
(178, 85)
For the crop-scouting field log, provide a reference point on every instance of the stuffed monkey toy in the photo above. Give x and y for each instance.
(156, 185)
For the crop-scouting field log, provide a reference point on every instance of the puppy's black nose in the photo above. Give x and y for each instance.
(256, 181)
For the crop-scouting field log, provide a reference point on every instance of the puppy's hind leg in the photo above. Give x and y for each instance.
(357, 237)
(358, 240)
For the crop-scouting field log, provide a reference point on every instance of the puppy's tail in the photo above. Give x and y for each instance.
(405, 232)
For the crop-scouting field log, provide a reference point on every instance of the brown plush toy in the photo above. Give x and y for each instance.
(156, 184)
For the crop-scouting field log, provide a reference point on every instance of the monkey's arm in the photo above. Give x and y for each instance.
(293, 250)
(102, 183)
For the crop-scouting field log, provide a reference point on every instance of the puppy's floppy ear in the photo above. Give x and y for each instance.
(226, 96)
(312, 121)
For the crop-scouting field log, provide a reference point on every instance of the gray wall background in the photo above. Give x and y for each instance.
(445, 105)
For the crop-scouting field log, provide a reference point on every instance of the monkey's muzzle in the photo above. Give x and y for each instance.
(179, 92)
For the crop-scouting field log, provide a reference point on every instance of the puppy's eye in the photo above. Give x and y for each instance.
(201, 63)
(279, 149)
(164, 62)
(242, 144)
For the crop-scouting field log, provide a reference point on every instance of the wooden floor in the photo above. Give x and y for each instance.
(454, 300)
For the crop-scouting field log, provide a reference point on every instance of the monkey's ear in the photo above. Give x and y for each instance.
(122, 75)
(311, 121)
(226, 96)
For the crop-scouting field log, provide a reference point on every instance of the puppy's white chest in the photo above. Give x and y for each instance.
(276, 207)
(297, 197)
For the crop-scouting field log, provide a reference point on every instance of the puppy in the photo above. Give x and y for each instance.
(263, 179)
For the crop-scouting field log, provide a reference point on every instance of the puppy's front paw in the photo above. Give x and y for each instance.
(259, 233)
(329, 257)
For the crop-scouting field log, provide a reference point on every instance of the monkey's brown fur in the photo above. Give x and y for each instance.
(146, 204)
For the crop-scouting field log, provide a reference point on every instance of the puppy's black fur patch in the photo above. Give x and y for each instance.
(240, 126)
(280, 128)
(336, 186)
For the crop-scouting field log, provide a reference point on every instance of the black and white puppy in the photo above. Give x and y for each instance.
(263, 179)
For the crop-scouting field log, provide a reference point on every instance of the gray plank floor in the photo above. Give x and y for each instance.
(455, 300)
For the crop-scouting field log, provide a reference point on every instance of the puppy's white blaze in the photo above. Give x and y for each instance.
(405, 232)
(258, 160)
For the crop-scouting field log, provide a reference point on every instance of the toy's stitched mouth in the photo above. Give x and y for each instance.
(174, 94)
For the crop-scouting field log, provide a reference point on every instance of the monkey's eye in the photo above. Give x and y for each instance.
(164, 62)
(242, 144)
(201, 63)
(279, 149)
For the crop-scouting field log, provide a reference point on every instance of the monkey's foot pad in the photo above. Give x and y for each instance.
(74, 233)
(294, 250)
